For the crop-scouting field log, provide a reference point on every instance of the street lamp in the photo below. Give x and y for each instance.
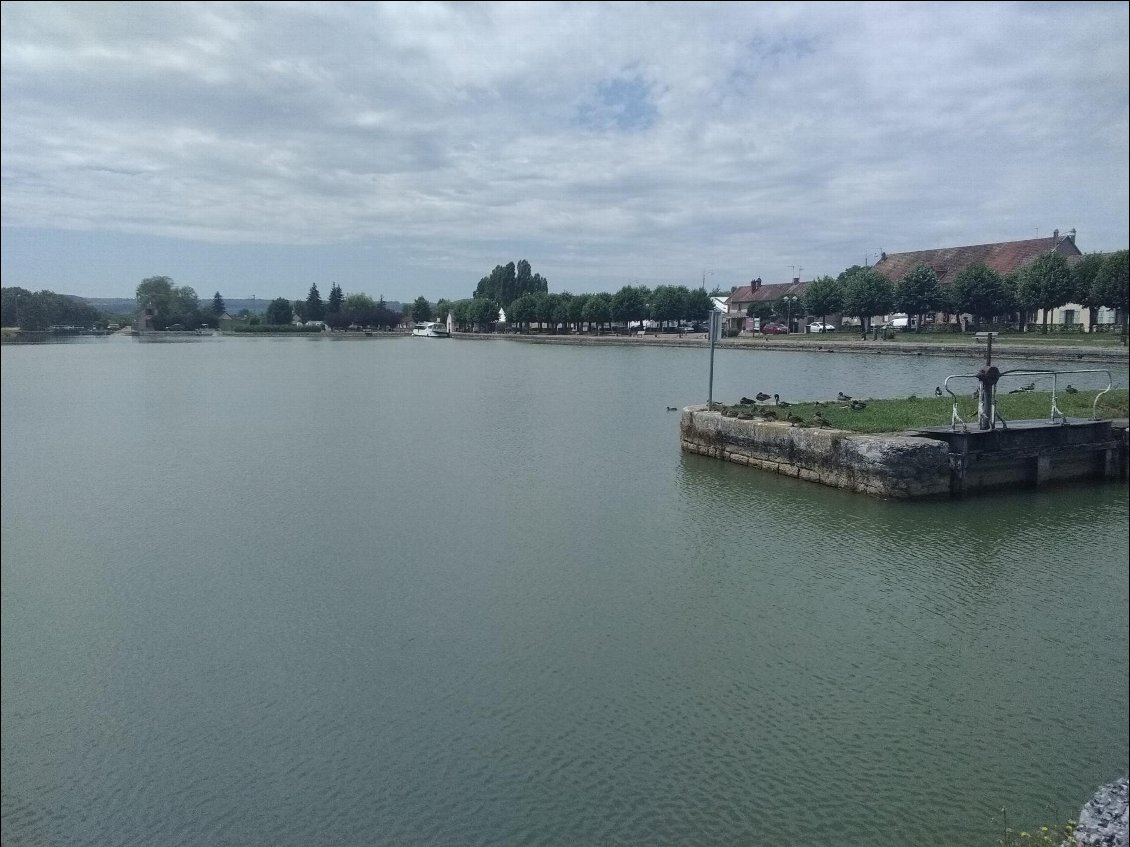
(704, 275)
(789, 319)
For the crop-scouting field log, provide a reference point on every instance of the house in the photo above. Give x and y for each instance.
(772, 296)
(1005, 257)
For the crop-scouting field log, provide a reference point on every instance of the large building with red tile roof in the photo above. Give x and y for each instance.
(1005, 257)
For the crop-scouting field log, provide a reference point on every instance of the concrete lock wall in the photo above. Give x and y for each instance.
(899, 466)
(905, 466)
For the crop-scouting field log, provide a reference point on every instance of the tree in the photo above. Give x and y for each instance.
(697, 306)
(1112, 287)
(577, 310)
(666, 304)
(1083, 275)
(598, 309)
(917, 293)
(359, 309)
(279, 312)
(422, 310)
(443, 307)
(1048, 279)
(174, 304)
(333, 305)
(630, 304)
(521, 311)
(218, 307)
(981, 292)
(867, 293)
(483, 312)
(823, 296)
(299, 307)
(315, 309)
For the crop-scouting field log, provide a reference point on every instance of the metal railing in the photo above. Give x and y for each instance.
(1053, 415)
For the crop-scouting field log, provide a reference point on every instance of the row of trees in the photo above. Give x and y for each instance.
(1047, 283)
(665, 304)
(40, 310)
(340, 312)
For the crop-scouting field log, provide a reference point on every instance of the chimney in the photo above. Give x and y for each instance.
(796, 279)
(1055, 235)
(733, 288)
(757, 284)
(1071, 235)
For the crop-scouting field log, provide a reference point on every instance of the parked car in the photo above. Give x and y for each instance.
(816, 326)
(774, 329)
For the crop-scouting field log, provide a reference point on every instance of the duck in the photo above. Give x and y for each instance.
(1071, 389)
(672, 408)
(745, 401)
(762, 396)
(820, 420)
(858, 405)
(938, 391)
(769, 415)
(843, 398)
(794, 419)
(778, 401)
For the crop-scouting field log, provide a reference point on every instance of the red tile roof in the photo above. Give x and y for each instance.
(767, 293)
(1005, 257)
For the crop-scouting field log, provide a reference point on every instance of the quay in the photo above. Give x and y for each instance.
(918, 464)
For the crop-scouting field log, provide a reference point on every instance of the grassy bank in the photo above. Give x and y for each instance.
(898, 415)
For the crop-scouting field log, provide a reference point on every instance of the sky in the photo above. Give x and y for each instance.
(406, 149)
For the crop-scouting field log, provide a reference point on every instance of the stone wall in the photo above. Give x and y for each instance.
(893, 466)
(1029, 453)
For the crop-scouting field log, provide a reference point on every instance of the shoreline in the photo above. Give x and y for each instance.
(854, 345)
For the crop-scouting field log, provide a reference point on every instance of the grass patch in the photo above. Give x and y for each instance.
(899, 414)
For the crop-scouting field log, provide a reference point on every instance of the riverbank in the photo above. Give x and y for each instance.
(1007, 349)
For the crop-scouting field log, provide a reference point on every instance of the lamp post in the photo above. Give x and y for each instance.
(704, 275)
(789, 314)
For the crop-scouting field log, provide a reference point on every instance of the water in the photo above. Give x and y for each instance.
(409, 591)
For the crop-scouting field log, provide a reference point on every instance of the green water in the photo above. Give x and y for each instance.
(418, 591)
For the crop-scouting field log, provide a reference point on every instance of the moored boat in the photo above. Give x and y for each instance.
(431, 329)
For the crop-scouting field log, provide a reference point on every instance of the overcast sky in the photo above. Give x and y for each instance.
(406, 149)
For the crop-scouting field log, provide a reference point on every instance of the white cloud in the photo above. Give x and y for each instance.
(603, 142)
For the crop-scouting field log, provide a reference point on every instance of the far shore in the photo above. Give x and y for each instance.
(846, 343)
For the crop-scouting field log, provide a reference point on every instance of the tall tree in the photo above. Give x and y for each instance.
(1083, 275)
(981, 292)
(823, 296)
(867, 293)
(315, 309)
(279, 312)
(422, 310)
(630, 303)
(333, 305)
(1112, 287)
(218, 306)
(917, 293)
(1050, 277)
(598, 310)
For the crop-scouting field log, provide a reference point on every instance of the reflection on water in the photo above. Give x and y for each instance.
(426, 592)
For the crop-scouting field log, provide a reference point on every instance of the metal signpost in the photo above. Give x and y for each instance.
(714, 325)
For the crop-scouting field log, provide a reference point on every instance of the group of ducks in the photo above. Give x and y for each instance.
(818, 418)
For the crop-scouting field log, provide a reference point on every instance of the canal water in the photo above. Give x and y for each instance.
(441, 592)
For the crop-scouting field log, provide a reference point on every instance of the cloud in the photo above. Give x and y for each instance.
(602, 142)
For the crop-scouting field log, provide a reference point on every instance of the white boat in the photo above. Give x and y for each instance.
(431, 329)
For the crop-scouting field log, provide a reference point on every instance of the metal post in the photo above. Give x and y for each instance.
(988, 378)
(713, 333)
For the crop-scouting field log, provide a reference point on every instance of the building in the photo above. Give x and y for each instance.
(1005, 257)
(772, 296)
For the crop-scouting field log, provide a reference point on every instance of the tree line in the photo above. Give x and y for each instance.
(524, 297)
(1049, 282)
(40, 310)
